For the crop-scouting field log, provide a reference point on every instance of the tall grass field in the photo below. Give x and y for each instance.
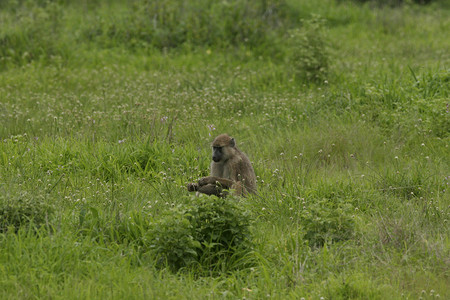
(108, 109)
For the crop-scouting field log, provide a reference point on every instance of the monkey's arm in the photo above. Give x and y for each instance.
(223, 182)
(212, 185)
(210, 181)
(211, 189)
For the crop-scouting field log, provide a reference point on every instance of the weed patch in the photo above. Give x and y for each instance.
(205, 233)
(327, 221)
(22, 208)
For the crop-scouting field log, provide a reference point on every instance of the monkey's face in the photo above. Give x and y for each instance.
(218, 154)
(223, 147)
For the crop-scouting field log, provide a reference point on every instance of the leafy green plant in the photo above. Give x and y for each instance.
(207, 231)
(221, 226)
(308, 53)
(173, 243)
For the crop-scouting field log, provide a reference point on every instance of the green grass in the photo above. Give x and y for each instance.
(105, 115)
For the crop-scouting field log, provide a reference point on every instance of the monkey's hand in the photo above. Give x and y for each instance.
(192, 187)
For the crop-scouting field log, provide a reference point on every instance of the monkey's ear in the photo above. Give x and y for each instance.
(232, 142)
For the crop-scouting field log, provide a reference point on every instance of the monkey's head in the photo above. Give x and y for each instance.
(223, 148)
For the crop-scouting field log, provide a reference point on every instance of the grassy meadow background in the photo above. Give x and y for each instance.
(108, 108)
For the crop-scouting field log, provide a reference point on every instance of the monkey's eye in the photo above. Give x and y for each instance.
(217, 149)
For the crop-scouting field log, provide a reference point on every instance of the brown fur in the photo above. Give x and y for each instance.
(231, 171)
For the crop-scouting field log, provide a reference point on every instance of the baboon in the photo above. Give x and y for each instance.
(230, 170)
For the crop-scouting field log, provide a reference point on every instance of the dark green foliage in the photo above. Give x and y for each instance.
(207, 231)
(17, 210)
(308, 54)
(40, 37)
(173, 242)
(170, 24)
(220, 225)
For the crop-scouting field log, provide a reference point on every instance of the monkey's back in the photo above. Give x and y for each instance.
(246, 173)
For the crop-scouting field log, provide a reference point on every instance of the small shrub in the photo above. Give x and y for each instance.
(208, 232)
(173, 242)
(308, 55)
(18, 210)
